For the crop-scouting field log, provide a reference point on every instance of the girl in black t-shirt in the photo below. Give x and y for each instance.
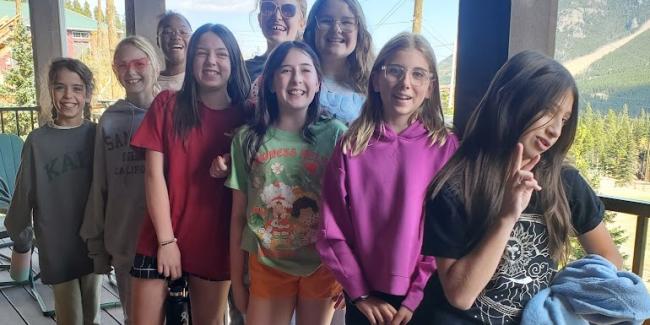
(501, 211)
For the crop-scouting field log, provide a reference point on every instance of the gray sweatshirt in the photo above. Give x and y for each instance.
(116, 203)
(51, 190)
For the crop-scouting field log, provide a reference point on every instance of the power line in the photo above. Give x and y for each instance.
(390, 13)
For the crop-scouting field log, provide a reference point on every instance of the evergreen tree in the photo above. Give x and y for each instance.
(86, 10)
(18, 86)
(99, 14)
(76, 6)
(19, 80)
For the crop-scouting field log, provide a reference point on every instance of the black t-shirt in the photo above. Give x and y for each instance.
(255, 66)
(525, 267)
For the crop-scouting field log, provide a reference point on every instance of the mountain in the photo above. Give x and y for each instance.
(606, 45)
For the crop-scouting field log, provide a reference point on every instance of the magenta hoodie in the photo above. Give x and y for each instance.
(372, 213)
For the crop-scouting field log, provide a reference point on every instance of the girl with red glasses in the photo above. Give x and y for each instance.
(116, 203)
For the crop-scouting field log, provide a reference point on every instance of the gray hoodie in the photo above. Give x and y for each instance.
(116, 203)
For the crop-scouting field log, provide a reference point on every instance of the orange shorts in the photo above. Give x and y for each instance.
(267, 282)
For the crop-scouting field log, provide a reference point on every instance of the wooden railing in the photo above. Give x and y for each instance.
(642, 211)
(10, 118)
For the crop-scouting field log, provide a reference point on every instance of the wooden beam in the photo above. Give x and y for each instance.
(142, 17)
(47, 22)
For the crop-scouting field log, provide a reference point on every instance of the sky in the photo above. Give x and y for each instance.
(385, 19)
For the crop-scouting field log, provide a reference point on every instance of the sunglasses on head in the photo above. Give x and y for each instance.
(268, 8)
(139, 65)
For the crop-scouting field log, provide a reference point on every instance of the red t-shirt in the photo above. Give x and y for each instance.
(199, 204)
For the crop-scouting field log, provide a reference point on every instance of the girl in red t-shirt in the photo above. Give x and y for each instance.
(186, 233)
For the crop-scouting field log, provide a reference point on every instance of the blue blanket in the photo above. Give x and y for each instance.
(590, 290)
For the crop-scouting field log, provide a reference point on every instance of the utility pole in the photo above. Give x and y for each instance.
(19, 9)
(417, 17)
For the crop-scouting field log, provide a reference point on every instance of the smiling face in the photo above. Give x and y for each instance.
(337, 30)
(401, 98)
(295, 82)
(211, 63)
(275, 22)
(133, 69)
(546, 130)
(173, 36)
(69, 97)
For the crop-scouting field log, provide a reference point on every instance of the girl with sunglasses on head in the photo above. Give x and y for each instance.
(337, 31)
(186, 230)
(116, 204)
(174, 31)
(500, 213)
(280, 21)
(375, 184)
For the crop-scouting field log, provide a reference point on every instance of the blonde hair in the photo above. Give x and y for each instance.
(149, 50)
(430, 112)
(302, 5)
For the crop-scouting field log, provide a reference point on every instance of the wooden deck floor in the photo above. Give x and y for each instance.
(18, 306)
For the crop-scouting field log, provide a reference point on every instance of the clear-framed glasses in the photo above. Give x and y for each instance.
(395, 73)
(347, 25)
(287, 10)
(140, 65)
(169, 32)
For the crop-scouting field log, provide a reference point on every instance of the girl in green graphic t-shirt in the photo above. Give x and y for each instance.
(277, 166)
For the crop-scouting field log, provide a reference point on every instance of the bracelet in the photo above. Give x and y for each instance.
(167, 242)
(361, 298)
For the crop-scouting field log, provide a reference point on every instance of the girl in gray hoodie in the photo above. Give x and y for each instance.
(116, 204)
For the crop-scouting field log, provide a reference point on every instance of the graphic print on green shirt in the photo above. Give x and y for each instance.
(283, 191)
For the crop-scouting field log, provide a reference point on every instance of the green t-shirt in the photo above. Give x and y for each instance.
(283, 190)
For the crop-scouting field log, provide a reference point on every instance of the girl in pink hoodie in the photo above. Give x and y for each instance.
(375, 184)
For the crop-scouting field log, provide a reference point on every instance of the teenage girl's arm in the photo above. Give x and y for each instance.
(169, 256)
(463, 279)
(237, 255)
(598, 241)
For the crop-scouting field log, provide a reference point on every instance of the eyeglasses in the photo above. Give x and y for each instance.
(168, 32)
(347, 25)
(139, 65)
(395, 73)
(268, 8)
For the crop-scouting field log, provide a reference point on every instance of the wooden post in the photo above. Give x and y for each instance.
(417, 17)
(142, 17)
(48, 42)
(640, 241)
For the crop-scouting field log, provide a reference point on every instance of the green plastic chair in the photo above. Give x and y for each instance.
(10, 149)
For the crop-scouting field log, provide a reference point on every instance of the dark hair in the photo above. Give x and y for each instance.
(80, 69)
(187, 112)
(167, 16)
(522, 91)
(361, 59)
(303, 203)
(268, 111)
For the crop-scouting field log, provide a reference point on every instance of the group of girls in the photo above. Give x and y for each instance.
(343, 183)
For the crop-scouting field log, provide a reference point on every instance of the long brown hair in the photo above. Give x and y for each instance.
(522, 91)
(187, 111)
(430, 113)
(361, 59)
(80, 69)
